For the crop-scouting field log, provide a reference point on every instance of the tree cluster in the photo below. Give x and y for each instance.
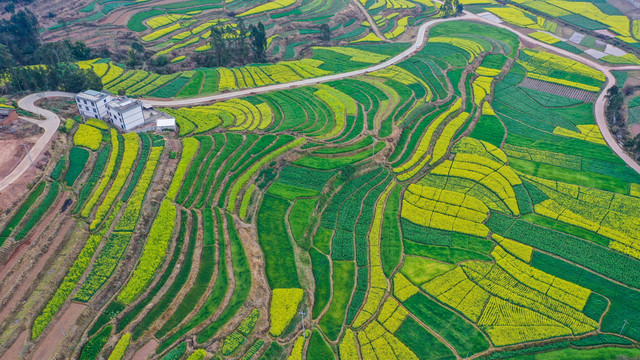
(451, 7)
(60, 76)
(20, 44)
(235, 46)
(617, 121)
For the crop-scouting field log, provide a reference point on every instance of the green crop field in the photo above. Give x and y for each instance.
(457, 202)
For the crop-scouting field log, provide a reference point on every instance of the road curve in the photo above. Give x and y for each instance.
(417, 45)
(599, 108)
(50, 125)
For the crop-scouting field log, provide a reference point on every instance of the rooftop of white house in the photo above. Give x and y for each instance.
(92, 95)
(123, 104)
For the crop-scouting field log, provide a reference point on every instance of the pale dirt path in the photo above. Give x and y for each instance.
(416, 46)
(50, 125)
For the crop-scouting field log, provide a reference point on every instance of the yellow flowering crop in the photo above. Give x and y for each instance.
(270, 6)
(284, 306)
(87, 136)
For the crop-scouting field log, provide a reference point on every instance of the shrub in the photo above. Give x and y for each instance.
(58, 169)
(68, 126)
(88, 137)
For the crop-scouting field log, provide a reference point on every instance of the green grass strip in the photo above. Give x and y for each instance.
(242, 275)
(179, 281)
(17, 217)
(40, 211)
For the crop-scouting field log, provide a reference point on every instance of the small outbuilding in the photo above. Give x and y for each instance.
(166, 124)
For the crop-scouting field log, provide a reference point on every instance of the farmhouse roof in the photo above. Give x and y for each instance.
(92, 95)
(123, 104)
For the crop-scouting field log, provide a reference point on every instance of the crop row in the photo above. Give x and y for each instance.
(152, 253)
(69, 282)
(160, 306)
(114, 159)
(378, 280)
(204, 277)
(22, 211)
(129, 156)
(42, 209)
(251, 171)
(232, 342)
(190, 146)
(96, 174)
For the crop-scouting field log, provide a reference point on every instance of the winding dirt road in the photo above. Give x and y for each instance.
(52, 122)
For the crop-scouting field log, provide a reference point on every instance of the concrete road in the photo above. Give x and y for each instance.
(50, 125)
(421, 38)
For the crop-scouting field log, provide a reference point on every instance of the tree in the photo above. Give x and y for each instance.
(241, 47)
(614, 104)
(79, 50)
(218, 48)
(325, 33)
(458, 7)
(160, 61)
(259, 36)
(6, 59)
(20, 34)
(137, 46)
(132, 58)
(10, 8)
(449, 7)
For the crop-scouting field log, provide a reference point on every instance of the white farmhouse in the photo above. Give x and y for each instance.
(93, 103)
(125, 113)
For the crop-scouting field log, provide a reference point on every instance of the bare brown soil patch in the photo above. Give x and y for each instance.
(64, 107)
(146, 351)
(58, 330)
(635, 129)
(24, 283)
(14, 351)
(13, 151)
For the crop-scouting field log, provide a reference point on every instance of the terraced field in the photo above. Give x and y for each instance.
(461, 203)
